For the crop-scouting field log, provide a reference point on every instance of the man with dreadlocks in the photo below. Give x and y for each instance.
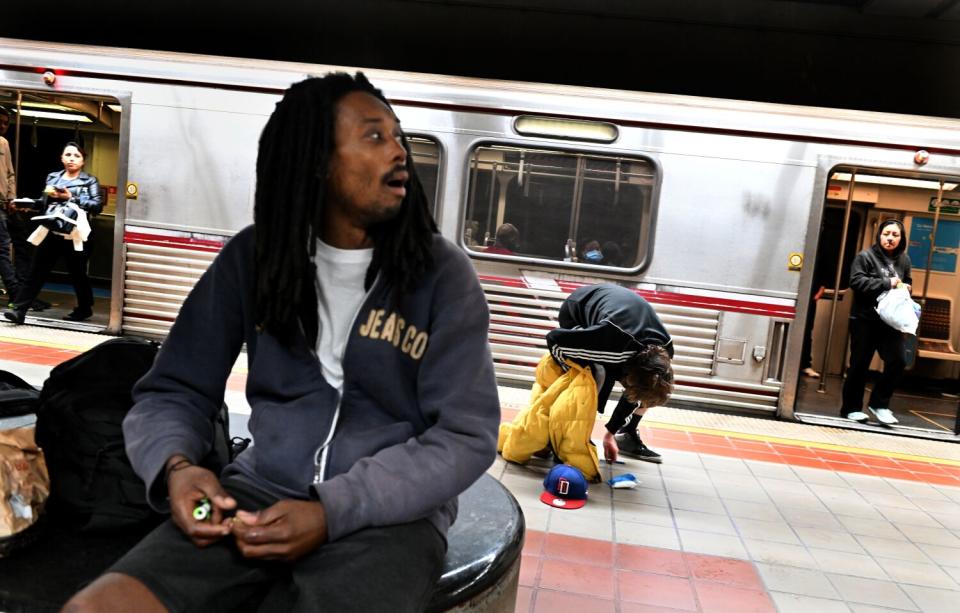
(370, 381)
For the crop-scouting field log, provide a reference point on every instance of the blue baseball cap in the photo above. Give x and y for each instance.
(566, 488)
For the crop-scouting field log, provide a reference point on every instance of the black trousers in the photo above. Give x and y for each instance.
(7, 273)
(389, 569)
(866, 338)
(48, 252)
(20, 227)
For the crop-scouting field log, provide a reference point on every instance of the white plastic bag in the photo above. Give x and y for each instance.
(898, 310)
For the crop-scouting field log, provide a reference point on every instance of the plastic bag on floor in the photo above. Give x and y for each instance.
(898, 310)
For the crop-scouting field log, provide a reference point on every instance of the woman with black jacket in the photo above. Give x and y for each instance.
(72, 185)
(876, 270)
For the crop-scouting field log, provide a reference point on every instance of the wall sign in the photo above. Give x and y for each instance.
(945, 250)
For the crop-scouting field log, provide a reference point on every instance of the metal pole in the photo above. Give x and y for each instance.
(933, 244)
(836, 283)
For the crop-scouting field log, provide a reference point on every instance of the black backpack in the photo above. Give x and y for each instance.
(79, 427)
(17, 397)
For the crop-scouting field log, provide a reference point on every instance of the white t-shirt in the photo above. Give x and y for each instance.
(340, 294)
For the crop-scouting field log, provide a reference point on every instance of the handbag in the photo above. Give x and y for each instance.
(59, 217)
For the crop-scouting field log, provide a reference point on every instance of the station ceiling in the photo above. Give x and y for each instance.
(886, 55)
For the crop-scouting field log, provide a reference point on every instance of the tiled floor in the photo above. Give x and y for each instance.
(743, 515)
(711, 532)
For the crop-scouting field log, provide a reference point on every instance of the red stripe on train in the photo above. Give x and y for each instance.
(727, 388)
(177, 242)
(690, 300)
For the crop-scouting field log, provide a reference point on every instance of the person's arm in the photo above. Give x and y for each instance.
(602, 342)
(8, 170)
(92, 201)
(176, 401)
(457, 392)
(865, 279)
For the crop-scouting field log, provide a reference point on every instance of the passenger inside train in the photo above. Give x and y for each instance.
(923, 398)
(507, 240)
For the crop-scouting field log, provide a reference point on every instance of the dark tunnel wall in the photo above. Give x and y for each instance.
(833, 59)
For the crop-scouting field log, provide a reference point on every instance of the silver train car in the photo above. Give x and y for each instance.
(714, 210)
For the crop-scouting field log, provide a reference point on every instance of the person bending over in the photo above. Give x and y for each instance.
(370, 380)
(617, 333)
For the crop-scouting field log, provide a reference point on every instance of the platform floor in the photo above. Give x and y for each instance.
(743, 515)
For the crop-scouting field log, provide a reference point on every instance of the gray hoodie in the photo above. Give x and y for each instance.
(416, 423)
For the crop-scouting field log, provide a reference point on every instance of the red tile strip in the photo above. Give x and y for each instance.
(800, 455)
(608, 577)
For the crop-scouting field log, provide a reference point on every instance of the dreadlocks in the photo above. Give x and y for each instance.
(295, 150)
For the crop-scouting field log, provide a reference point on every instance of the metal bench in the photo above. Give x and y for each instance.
(481, 573)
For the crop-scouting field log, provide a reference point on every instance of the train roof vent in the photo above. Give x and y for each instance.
(567, 129)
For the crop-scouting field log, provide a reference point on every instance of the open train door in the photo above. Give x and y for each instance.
(41, 124)
(857, 204)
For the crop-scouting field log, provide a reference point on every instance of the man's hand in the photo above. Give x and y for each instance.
(287, 530)
(894, 282)
(610, 449)
(187, 484)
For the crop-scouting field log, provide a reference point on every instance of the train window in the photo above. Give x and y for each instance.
(558, 205)
(426, 158)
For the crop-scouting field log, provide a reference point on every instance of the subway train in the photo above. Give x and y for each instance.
(727, 216)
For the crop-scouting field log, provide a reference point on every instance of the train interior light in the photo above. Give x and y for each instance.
(53, 115)
(898, 181)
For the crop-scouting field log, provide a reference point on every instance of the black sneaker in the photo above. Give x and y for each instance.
(17, 316)
(631, 446)
(39, 305)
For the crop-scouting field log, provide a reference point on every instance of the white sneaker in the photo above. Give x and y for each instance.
(809, 372)
(858, 416)
(884, 416)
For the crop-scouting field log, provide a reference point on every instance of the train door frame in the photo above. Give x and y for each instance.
(825, 169)
(124, 98)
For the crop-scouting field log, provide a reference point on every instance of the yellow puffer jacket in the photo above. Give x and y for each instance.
(562, 411)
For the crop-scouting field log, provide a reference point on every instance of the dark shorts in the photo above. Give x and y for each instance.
(392, 568)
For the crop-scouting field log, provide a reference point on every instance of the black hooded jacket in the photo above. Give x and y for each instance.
(872, 270)
(608, 324)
